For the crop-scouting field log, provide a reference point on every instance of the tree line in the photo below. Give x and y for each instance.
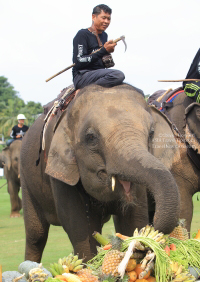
(11, 105)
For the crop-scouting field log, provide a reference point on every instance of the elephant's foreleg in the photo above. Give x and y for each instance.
(15, 201)
(186, 184)
(80, 228)
(186, 210)
(73, 216)
(36, 227)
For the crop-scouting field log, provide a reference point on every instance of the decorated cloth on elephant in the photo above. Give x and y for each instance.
(88, 56)
(192, 90)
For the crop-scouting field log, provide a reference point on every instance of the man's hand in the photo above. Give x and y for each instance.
(110, 46)
(18, 136)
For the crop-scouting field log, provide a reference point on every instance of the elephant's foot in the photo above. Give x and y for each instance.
(15, 214)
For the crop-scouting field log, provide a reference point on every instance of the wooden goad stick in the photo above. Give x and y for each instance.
(180, 80)
(115, 41)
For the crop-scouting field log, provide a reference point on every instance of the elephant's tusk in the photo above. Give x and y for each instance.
(113, 183)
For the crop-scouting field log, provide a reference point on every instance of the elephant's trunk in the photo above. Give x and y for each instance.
(160, 182)
(141, 167)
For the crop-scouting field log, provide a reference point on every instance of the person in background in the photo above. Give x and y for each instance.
(18, 130)
(91, 68)
(192, 89)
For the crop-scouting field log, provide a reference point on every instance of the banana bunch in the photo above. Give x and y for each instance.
(56, 269)
(149, 232)
(71, 263)
(184, 276)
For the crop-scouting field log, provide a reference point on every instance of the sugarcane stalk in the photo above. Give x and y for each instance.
(100, 239)
(147, 269)
(149, 256)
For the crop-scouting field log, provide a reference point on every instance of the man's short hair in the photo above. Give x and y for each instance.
(97, 10)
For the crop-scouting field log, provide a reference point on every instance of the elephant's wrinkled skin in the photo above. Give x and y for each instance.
(10, 158)
(105, 133)
(186, 116)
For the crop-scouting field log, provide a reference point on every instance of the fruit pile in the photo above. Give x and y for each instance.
(147, 256)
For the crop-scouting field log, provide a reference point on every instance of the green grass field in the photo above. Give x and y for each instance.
(12, 235)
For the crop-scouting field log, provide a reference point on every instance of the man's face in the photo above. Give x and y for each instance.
(101, 21)
(21, 121)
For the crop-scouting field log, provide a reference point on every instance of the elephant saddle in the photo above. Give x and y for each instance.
(163, 101)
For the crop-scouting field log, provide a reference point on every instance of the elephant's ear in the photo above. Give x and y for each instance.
(61, 162)
(163, 144)
(6, 157)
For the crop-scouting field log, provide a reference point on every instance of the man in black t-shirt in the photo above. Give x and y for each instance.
(192, 89)
(18, 130)
(89, 67)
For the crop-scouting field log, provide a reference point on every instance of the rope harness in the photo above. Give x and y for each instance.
(59, 105)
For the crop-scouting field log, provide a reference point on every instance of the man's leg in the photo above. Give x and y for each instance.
(103, 77)
(9, 141)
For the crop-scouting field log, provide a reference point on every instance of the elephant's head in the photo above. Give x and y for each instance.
(107, 138)
(192, 132)
(11, 155)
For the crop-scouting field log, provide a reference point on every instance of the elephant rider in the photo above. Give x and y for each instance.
(193, 89)
(18, 130)
(89, 67)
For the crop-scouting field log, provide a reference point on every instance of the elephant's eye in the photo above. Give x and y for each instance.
(151, 133)
(91, 139)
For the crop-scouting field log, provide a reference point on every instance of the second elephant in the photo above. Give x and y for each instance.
(10, 159)
(185, 114)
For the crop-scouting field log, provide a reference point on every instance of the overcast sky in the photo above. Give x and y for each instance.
(36, 42)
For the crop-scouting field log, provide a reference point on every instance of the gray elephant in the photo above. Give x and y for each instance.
(98, 161)
(185, 114)
(10, 157)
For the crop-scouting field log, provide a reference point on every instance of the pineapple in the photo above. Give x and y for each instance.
(111, 262)
(85, 275)
(180, 232)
